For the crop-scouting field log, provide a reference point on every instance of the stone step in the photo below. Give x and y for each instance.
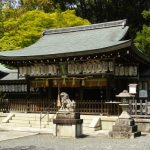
(28, 122)
(29, 118)
(14, 125)
(38, 122)
(22, 125)
(30, 115)
(27, 115)
(38, 126)
(19, 121)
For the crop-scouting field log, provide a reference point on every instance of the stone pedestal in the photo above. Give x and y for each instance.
(67, 124)
(125, 126)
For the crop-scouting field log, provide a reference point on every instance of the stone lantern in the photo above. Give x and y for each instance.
(125, 126)
(125, 98)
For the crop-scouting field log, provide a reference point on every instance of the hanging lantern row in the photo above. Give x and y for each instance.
(13, 88)
(87, 67)
(121, 70)
(90, 67)
(38, 70)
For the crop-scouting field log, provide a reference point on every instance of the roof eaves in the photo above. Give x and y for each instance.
(141, 54)
(70, 54)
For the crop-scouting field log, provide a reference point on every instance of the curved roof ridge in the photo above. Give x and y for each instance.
(87, 27)
(5, 69)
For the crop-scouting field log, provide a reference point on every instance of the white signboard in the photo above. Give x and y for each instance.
(132, 88)
(143, 94)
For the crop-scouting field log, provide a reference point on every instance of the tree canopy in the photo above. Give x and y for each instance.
(13, 26)
(27, 28)
(143, 37)
(95, 11)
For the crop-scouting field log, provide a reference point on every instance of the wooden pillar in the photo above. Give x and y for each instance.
(27, 94)
(81, 92)
(108, 89)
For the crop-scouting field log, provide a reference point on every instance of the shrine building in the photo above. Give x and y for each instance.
(92, 63)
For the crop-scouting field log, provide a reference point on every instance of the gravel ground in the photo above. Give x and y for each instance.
(48, 142)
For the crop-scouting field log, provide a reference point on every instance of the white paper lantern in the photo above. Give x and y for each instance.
(126, 70)
(111, 66)
(99, 67)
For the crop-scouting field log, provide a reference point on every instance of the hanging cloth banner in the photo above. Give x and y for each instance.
(39, 83)
(96, 82)
(75, 82)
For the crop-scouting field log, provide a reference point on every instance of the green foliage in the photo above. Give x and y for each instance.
(108, 10)
(146, 14)
(67, 19)
(27, 28)
(143, 37)
(45, 5)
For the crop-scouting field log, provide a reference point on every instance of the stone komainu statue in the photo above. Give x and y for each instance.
(66, 103)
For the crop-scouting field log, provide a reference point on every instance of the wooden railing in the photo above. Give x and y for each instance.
(97, 107)
(4, 106)
(32, 105)
(138, 108)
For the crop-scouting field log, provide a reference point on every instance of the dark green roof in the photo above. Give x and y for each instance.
(5, 69)
(80, 39)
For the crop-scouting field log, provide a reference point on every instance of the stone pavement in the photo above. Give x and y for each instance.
(48, 142)
(7, 135)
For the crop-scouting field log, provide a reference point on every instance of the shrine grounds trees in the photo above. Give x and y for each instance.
(13, 13)
(143, 37)
(22, 29)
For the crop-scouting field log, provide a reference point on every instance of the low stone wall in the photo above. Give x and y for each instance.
(107, 122)
(142, 123)
(2, 116)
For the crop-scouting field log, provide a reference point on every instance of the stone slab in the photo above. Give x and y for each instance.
(61, 130)
(68, 121)
(67, 115)
(95, 122)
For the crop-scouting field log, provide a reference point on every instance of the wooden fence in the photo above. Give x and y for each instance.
(138, 108)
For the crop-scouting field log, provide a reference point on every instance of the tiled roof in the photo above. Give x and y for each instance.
(78, 39)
